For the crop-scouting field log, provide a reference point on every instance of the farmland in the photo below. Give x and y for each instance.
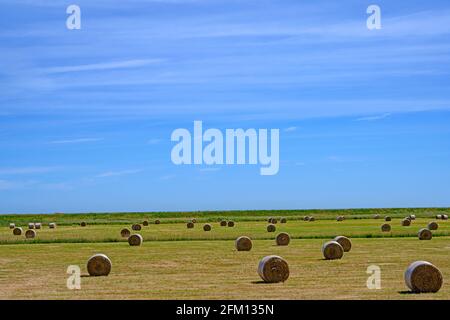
(179, 263)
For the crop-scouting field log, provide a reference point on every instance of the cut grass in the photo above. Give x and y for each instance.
(321, 229)
(215, 270)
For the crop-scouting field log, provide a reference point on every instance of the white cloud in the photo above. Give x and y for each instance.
(290, 129)
(374, 118)
(13, 185)
(80, 140)
(103, 66)
(118, 173)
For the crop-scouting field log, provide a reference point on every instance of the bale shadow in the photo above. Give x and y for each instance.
(408, 292)
(259, 282)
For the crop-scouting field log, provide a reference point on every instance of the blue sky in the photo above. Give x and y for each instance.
(86, 115)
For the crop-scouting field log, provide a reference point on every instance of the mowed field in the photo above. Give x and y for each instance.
(179, 263)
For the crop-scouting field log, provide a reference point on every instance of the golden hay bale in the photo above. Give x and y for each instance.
(283, 220)
(243, 244)
(83, 224)
(332, 250)
(387, 218)
(406, 222)
(412, 217)
(207, 227)
(125, 233)
(273, 269)
(439, 216)
(444, 217)
(157, 221)
(190, 225)
(136, 227)
(17, 231)
(377, 216)
(38, 225)
(31, 225)
(386, 227)
(306, 218)
(271, 228)
(12, 225)
(52, 225)
(274, 221)
(145, 223)
(223, 223)
(423, 277)
(282, 239)
(311, 219)
(345, 242)
(231, 224)
(30, 233)
(433, 225)
(135, 240)
(425, 234)
(99, 265)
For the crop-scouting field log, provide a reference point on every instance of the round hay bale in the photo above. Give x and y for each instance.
(30, 234)
(190, 225)
(274, 220)
(283, 220)
(273, 269)
(377, 216)
(345, 242)
(31, 226)
(306, 218)
(207, 227)
(269, 220)
(433, 225)
(145, 223)
(17, 231)
(282, 239)
(243, 244)
(38, 225)
(406, 222)
(194, 220)
(271, 228)
(136, 227)
(386, 227)
(332, 250)
(52, 225)
(425, 234)
(387, 218)
(412, 217)
(423, 277)
(99, 265)
(157, 221)
(339, 218)
(12, 225)
(223, 223)
(231, 224)
(135, 240)
(125, 233)
(444, 217)
(439, 216)
(311, 219)
(83, 224)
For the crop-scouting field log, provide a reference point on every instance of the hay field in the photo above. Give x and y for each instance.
(179, 263)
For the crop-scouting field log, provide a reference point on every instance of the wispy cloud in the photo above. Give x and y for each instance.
(103, 66)
(26, 170)
(290, 129)
(374, 118)
(209, 169)
(154, 141)
(167, 177)
(80, 140)
(13, 185)
(117, 173)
